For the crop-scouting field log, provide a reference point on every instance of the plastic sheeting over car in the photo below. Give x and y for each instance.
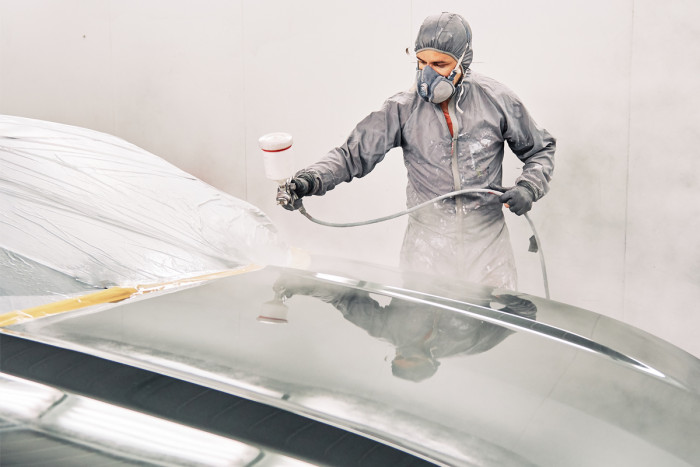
(98, 209)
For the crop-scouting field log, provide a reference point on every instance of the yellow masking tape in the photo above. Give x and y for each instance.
(111, 295)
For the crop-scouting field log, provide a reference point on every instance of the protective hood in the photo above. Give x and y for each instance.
(448, 33)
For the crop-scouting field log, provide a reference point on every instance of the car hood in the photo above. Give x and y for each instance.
(454, 373)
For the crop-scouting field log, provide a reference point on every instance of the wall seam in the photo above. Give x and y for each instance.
(244, 60)
(112, 68)
(3, 62)
(625, 254)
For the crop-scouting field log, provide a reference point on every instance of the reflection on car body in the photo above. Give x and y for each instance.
(421, 336)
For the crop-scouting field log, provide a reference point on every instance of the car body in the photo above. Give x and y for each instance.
(324, 361)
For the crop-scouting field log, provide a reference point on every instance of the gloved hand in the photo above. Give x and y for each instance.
(289, 195)
(516, 305)
(288, 285)
(518, 199)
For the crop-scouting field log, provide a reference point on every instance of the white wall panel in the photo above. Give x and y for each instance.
(55, 61)
(178, 84)
(663, 242)
(162, 74)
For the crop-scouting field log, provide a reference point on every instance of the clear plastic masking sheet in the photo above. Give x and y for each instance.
(82, 210)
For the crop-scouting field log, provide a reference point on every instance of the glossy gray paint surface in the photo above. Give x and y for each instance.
(42, 425)
(519, 380)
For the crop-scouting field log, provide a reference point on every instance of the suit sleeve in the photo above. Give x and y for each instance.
(366, 146)
(533, 145)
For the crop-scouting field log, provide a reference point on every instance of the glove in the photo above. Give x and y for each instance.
(289, 195)
(516, 305)
(288, 285)
(518, 199)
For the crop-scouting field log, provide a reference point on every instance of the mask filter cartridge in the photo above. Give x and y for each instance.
(434, 87)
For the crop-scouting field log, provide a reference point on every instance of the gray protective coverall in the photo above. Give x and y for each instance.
(464, 237)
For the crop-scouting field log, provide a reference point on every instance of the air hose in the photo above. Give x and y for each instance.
(452, 194)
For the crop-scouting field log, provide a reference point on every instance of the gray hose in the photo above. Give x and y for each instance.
(451, 194)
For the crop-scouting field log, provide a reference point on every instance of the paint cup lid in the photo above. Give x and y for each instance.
(274, 142)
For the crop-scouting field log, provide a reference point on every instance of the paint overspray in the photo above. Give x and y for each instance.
(277, 153)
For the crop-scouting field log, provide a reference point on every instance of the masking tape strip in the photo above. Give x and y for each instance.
(111, 295)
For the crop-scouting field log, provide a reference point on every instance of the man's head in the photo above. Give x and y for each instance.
(442, 63)
(447, 34)
(413, 364)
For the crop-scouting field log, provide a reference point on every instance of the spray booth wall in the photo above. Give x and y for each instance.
(198, 82)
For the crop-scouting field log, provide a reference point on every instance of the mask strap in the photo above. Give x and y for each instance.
(454, 73)
(461, 90)
(459, 64)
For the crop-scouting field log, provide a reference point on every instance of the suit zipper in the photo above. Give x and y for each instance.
(459, 200)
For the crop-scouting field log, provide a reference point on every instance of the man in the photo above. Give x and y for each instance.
(452, 129)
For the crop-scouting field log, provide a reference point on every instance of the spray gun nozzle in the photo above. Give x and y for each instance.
(287, 195)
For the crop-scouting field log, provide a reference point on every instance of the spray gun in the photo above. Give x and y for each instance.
(277, 153)
(278, 160)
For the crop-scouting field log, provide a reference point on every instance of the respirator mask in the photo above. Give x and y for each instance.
(435, 88)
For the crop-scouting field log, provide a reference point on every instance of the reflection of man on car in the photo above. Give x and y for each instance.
(422, 335)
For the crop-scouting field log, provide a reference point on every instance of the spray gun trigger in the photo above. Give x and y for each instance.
(287, 197)
(285, 192)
